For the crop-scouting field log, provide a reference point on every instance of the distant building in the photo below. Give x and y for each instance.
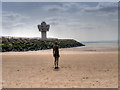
(43, 28)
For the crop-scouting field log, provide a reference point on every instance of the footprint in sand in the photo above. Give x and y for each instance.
(107, 70)
(18, 70)
(104, 70)
(85, 77)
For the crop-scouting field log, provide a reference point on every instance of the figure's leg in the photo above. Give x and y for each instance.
(57, 61)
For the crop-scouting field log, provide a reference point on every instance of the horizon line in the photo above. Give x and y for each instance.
(99, 41)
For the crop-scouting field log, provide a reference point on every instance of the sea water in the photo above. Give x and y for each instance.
(99, 46)
(102, 44)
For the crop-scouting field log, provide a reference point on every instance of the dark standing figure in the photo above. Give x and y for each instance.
(56, 54)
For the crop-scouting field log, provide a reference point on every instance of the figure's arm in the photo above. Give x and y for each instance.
(53, 50)
(58, 52)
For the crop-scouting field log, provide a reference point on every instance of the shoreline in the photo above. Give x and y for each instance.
(73, 49)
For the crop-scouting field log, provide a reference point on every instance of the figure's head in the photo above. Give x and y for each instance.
(56, 43)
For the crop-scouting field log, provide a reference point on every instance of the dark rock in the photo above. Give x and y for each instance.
(34, 44)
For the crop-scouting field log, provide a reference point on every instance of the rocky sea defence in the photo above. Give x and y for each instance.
(33, 44)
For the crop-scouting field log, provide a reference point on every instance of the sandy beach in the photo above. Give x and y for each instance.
(79, 68)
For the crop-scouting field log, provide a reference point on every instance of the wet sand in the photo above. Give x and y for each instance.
(79, 68)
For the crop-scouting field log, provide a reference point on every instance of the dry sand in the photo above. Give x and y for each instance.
(78, 69)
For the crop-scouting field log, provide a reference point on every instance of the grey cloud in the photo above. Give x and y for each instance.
(53, 23)
(52, 20)
(70, 24)
(88, 28)
(73, 5)
(56, 20)
(103, 7)
(54, 8)
(108, 9)
(82, 26)
(12, 20)
(64, 7)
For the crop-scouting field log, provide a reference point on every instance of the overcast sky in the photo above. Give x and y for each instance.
(83, 21)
